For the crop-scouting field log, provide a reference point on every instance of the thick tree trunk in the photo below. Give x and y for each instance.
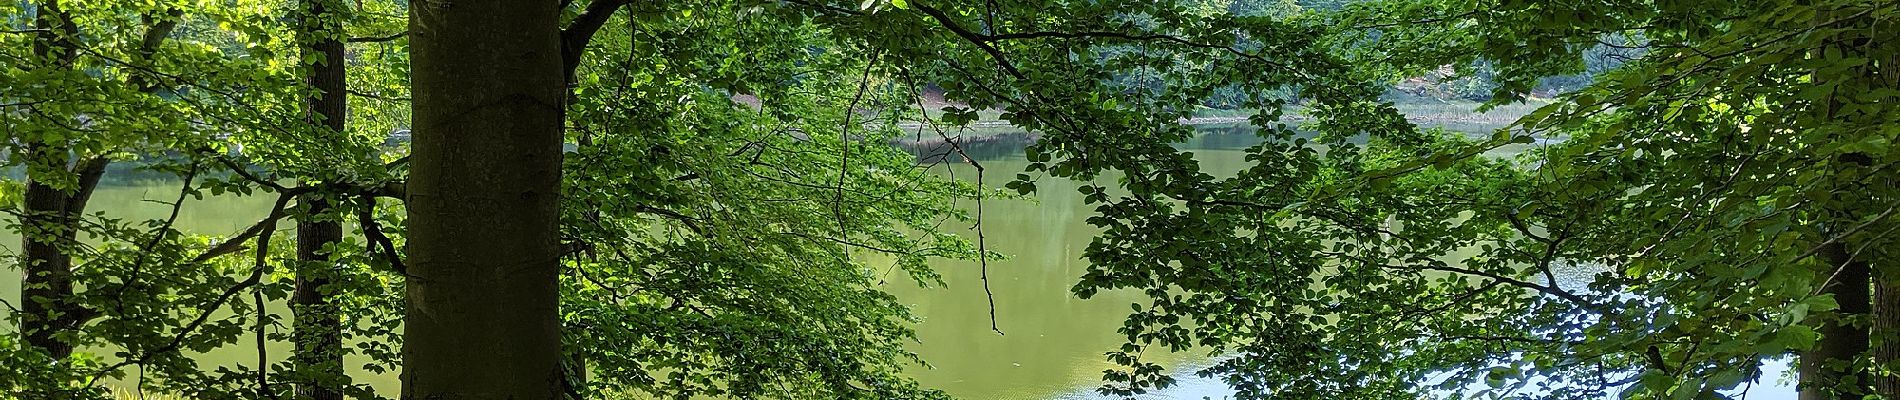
(47, 235)
(47, 283)
(318, 329)
(1834, 368)
(483, 201)
(1828, 370)
(48, 212)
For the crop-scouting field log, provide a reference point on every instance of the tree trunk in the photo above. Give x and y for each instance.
(483, 201)
(1886, 334)
(47, 233)
(1887, 277)
(1828, 371)
(317, 329)
(48, 216)
(1834, 368)
(318, 326)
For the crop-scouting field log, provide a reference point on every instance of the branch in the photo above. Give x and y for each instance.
(575, 37)
(89, 172)
(393, 189)
(158, 31)
(263, 231)
(1454, 301)
(368, 95)
(55, 32)
(164, 229)
(827, 7)
(1523, 228)
(236, 243)
(1131, 37)
(380, 39)
(981, 41)
(1550, 290)
(1836, 238)
(241, 171)
(366, 218)
(154, 36)
(982, 242)
(690, 222)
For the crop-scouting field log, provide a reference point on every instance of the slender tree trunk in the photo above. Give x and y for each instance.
(318, 326)
(483, 201)
(318, 330)
(1886, 271)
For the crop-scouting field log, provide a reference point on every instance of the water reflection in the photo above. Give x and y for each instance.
(1054, 343)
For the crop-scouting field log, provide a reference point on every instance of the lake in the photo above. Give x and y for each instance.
(1053, 343)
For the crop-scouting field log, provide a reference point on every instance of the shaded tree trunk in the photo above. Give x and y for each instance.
(317, 330)
(1887, 276)
(49, 212)
(318, 326)
(48, 231)
(1832, 369)
(483, 201)
(1886, 334)
(1827, 371)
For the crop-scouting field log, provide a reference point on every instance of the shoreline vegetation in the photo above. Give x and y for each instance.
(1453, 115)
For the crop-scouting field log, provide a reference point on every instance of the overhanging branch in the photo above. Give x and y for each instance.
(575, 37)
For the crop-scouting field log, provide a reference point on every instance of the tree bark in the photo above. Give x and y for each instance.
(48, 232)
(48, 217)
(1886, 334)
(1828, 371)
(1887, 277)
(483, 201)
(317, 329)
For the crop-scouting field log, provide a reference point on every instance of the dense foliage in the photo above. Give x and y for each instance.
(1711, 192)
(1714, 205)
(714, 242)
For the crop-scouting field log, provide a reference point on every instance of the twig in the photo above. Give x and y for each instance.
(367, 95)
(380, 39)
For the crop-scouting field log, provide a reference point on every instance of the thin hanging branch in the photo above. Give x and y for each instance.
(982, 244)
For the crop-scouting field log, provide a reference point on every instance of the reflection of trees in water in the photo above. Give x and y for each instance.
(981, 148)
(122, 173)
(1010, 144)
(1217, 137)
(132, 172)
